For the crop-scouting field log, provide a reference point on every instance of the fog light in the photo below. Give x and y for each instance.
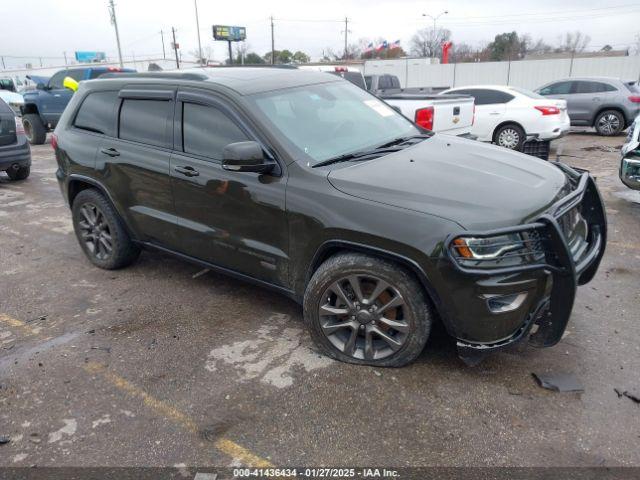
(504, 303)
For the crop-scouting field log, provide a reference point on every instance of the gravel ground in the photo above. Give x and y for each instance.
(155, 365)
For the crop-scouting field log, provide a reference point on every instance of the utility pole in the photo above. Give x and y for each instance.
(112, 11)
(195, 2)
(164, 56)
(273, 48)
(346, 33)
(175, 47)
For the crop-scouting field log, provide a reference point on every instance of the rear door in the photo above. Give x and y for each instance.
(562, 90)
(135, 166)
(235, 220)
(589, 96)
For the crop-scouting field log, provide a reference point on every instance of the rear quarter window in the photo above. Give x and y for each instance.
(97, 113)
(146, 121)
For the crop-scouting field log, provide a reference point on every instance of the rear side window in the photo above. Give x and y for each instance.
(98, 113)
(485, 96)
(207, 130)
(594, 87)
(367, 80)
(146, 121)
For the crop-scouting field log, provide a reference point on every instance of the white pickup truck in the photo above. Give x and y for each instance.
(452, 115)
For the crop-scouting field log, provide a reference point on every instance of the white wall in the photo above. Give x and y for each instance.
(415, 72)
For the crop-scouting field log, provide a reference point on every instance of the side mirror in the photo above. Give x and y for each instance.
(630, 170)
(245, 157)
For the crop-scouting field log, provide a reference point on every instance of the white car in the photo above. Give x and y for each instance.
(509, 116)
(14, 100)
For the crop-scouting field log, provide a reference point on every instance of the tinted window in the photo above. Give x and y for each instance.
(7, 84)
(146, 121)
(594, 87)
(395, 82)
(97, 113)
(485, 96)
(57, 80)
(560, 88)
(367, 80)
(207, 130)
(384, 82)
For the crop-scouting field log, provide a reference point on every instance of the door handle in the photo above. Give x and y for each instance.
(112, 152)
(187, 171)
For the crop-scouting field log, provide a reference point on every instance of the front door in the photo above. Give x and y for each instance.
(234, 220)
(55, 97)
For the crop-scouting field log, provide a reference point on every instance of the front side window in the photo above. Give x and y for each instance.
(330, 119)
(146, 121)
(56, 81)
(560, 88)
(98, 113)
(207, 130)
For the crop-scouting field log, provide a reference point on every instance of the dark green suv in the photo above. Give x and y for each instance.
(305, 183)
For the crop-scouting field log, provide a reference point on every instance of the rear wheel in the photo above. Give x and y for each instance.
(20, 173)
(34, 129)
(609, 123)
(510, 136)
(368, 311)
(100, 232)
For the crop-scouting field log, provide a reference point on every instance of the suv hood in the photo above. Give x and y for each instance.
(478, 186)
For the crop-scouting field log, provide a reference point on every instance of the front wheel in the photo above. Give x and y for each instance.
(609, 123)
(368, 311)
(510, 136)
(100, 232)
(34, 129)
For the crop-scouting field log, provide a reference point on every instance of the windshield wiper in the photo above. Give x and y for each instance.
(401, 140)
(356, 156)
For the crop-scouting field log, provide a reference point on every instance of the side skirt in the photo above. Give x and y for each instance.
(226, 271)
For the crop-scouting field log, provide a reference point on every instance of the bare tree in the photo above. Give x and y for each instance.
(207, 54)
(574, 42)
(427, 42)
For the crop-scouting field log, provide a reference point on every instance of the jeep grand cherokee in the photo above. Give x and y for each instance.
(305, 183)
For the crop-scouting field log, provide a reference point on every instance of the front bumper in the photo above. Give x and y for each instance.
(550, 285)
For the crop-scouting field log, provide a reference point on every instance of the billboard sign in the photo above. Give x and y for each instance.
(90, 57)
(229, 33)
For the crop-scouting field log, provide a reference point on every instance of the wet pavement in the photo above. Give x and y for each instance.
(149, 366)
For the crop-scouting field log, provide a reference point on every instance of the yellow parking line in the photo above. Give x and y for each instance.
(14, 322)
(225, 445)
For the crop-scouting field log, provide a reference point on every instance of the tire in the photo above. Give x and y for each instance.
(351, 334)
(20, 173)
(609, 123)
(34, 129)
(510, 136)
(97, 227)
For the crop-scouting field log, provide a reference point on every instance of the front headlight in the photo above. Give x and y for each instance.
(498, 251)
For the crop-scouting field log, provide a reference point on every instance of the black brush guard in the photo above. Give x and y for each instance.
(552, 313)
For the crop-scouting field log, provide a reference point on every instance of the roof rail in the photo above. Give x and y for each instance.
(168, 75)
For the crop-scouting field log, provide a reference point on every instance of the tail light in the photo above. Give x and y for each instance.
(54, 141)
(341, 69)
(634, 98)
(19, 126)
(424, 117)
(114, 69)
(548, 110)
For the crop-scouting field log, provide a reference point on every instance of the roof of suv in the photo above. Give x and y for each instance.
(243, 80)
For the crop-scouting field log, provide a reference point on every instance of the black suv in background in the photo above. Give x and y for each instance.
(303, 182)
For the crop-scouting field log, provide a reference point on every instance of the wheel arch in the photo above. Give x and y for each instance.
(78, 183)
(604, 109)
(505, 123)
(333, 247)
(30, 108)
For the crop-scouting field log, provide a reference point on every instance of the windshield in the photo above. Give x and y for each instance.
(331, 119)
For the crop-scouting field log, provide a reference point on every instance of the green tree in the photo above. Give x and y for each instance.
(301, 57)
(507, 46)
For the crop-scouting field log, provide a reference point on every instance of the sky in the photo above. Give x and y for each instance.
(47, 28)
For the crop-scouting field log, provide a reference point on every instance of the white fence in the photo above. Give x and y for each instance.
(418, 72)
